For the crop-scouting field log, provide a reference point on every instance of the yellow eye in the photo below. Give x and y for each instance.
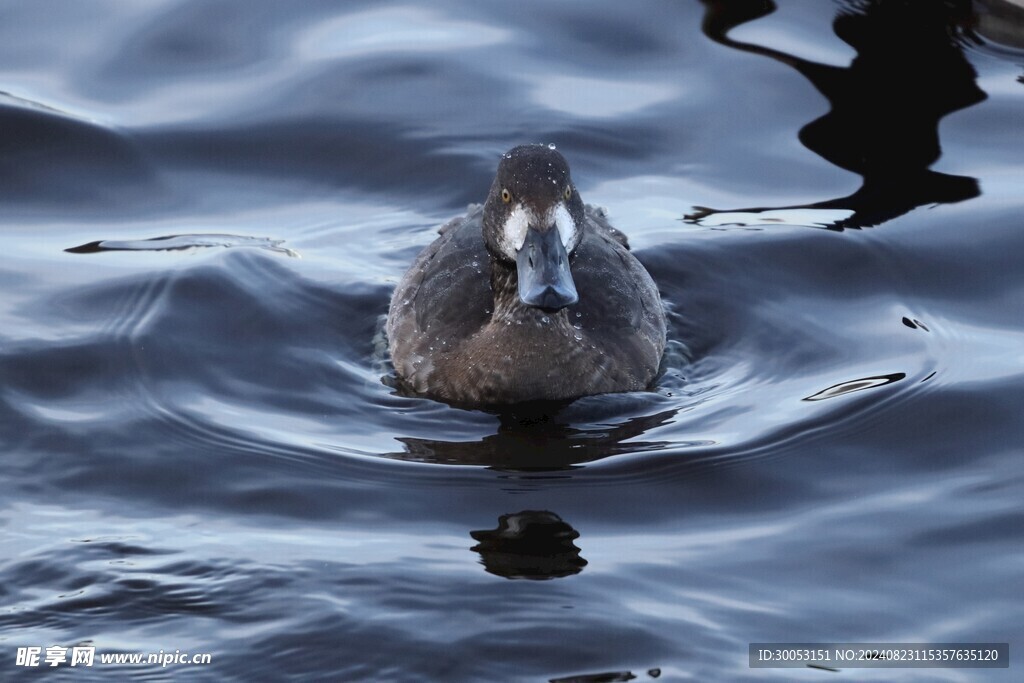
(568, 192)
(506, 196)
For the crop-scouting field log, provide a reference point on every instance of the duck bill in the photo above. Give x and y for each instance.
(542, 264)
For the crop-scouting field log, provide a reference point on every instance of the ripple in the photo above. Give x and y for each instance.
(599, 98)
(54, 158)
(199, 450)
(396, 30)
(1000, 25)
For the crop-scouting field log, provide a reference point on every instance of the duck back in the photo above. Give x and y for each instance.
(458, 332)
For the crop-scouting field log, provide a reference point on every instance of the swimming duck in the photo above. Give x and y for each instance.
(531, 296)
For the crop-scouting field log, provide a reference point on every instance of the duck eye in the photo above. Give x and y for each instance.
(568, 192)
(506, 196)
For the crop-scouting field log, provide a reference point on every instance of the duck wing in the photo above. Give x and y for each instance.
(598, 219)
(447, 292)
(619, 305)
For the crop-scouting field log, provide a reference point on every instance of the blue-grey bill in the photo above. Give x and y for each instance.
(545, 280)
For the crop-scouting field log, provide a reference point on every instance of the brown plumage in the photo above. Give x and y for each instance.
(459, 330)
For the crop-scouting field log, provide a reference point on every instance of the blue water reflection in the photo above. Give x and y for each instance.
(207, 205)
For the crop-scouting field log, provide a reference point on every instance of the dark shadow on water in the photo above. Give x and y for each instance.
(910, 71)
(531, 544)
(538, 438)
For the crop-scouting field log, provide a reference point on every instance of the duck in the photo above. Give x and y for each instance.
(531, 296)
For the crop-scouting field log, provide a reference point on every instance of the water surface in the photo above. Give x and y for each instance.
(206, 205)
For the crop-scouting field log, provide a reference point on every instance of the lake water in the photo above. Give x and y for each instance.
(205, 206)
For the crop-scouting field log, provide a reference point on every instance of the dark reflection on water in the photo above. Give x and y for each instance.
(544, 438)
(885, 107)
(205, 207)
(530, 544)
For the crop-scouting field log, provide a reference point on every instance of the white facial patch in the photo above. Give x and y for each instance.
(563, 220)
(513, 234)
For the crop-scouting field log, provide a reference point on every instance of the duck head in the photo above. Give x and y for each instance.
(533, 218)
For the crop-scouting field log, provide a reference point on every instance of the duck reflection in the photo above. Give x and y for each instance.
(909, 72)
(539, 437)
(532, 544)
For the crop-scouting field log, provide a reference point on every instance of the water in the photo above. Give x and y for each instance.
(206, 205)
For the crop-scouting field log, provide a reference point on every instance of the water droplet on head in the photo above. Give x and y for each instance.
(544, 319)
(578, 314)
(551, 145)
(577, 336)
